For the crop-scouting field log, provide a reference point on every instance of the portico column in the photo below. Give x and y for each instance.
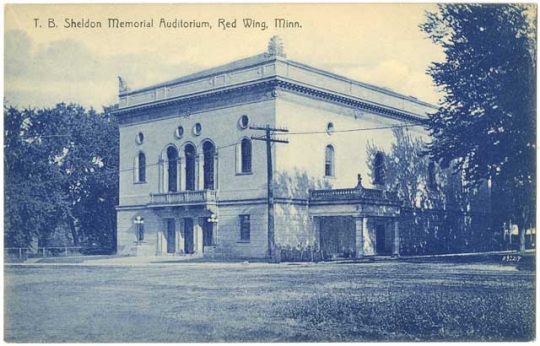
(359, 228)
(395, 251)
(316, 231)
(182, 173)
(198, 235)
(159, 237)
(179, 222)
(214, 226)
(158, 243)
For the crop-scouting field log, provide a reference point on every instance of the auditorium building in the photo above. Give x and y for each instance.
(194, 166)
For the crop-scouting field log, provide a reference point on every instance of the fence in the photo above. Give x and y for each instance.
(52, 251)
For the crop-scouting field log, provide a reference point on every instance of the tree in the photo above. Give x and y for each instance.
(485, 125)
(61, 172)
(420, 183)
(30, 197)
(87, 157)
(405, 170)
(439, 213)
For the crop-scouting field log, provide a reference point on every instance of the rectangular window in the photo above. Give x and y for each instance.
(328, 169)
(142, 168)
(244, 228)
(246, 155)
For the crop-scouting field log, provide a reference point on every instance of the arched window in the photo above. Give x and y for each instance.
(379, 169)
(329, 161)
(172, 169)
(209, 152)
(141, 167)
(431, 178)
(189, 152)
(245, 152)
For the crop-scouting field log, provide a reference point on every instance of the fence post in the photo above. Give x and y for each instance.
(44, 255)
(20, 252)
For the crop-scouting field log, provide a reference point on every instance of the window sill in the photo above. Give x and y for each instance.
(243, 242)
(330, 177)
(244, 173)
(139, 182)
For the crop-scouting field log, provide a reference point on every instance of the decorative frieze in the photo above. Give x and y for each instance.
(187, 106)
(261, 91)
(272, 73)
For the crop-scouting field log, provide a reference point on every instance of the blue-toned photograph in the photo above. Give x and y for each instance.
(269, 173)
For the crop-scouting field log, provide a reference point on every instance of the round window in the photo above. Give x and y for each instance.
(140, 138)
(197, 129)
(330, 128)
(243, 121)
(179, 132)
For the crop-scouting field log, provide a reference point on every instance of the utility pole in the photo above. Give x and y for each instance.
(269, 138)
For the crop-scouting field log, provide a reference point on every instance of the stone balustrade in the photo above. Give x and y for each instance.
(183, 197)
(352, 193)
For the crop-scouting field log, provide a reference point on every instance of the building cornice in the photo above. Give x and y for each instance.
(186, 99)
(275, 84)
(349, 101)
(375, 88)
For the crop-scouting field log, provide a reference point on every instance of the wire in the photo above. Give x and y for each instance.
(132, 169)
(119, 171)
(352, 130)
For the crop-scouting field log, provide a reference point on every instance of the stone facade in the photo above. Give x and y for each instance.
(185, 169)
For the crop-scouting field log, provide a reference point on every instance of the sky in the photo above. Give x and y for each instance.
(380, 44)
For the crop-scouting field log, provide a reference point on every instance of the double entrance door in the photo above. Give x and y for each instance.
(186, 241)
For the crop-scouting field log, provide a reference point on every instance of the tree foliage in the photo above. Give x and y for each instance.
(439, 214)
(403, 168)
(61, 173)
(407, 172)
(486, 121)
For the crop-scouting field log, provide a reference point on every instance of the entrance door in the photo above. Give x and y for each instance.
(171, 236)
(207, 233)
(337, 236)
(188, 235)
(380, 238)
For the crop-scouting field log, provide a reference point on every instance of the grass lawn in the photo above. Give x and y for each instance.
(201, 302)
